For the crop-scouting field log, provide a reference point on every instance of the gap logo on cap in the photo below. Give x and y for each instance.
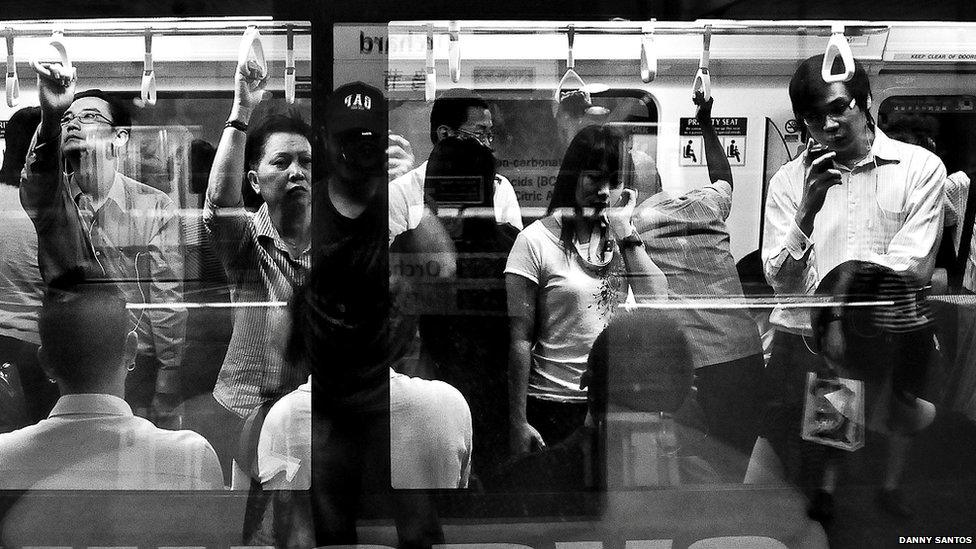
(358, 102)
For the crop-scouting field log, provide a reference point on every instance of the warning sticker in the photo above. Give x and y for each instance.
(731, 132)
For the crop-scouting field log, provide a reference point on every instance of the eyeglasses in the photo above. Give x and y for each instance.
(485, 137)
(85, 118)
(834, 111)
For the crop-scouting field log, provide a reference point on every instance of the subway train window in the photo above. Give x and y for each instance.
(586, 277)
(132, 273)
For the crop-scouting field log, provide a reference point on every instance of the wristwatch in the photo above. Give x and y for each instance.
(237, 125)
(630, 241)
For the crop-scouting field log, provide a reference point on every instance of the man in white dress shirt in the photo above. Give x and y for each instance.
(458, 113)
(853, 194)
(91, 440)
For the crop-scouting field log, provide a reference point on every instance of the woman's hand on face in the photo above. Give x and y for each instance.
(620, 214)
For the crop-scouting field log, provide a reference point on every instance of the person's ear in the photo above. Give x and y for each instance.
(444, 131)
(867, 104)
(254, 182)
(131, 348)
(118, 143)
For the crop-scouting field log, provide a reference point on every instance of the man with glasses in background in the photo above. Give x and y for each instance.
(854, 194)
(457, 113)
(89, 215)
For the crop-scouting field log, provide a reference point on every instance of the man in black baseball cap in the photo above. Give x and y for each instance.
(356, 128)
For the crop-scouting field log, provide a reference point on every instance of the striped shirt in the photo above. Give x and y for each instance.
(687, 239)
(260, 270)
(887, 210)
(910, 310)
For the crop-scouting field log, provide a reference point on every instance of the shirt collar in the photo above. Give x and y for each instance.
(262, 223)
(91, 404)
(265, 229)
(883, 150)
(115, 194)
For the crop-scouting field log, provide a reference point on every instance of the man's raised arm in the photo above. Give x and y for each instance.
(718, 164)
(62, 243)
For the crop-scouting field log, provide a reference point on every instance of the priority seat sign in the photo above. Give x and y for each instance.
(731, 132)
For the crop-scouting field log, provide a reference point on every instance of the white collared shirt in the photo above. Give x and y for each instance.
(115, 193)
(888, 210)
(406, 201)
(93, 442)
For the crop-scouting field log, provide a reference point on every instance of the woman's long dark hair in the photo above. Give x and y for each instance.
(595, 148)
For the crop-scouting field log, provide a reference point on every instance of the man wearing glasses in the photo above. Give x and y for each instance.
(457, 113)
(854, 194)
(89, 215)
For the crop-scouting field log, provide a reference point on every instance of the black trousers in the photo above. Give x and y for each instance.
(730, 396)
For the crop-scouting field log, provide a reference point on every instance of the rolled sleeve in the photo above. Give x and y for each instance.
(787, 253)
(227, 227)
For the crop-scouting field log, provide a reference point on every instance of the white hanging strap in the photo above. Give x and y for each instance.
(837, 45)
(571, 80)
(454, 51)
(250, 56)
(148, 89)
(290, 66)
(648, 57)
(430, 76)
(12, 84)
(703, 81)
(570, 40)
(63, 69)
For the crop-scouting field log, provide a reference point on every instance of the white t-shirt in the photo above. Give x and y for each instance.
(430, 437)
(576, 304)
(407, 201)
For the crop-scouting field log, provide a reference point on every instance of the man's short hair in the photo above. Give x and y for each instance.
(807, 85)
(451, 109)
(276, 123)
(116, 108)
(83, 327)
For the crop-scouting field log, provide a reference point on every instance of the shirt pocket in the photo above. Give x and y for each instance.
(890, 208)
(886, 223)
